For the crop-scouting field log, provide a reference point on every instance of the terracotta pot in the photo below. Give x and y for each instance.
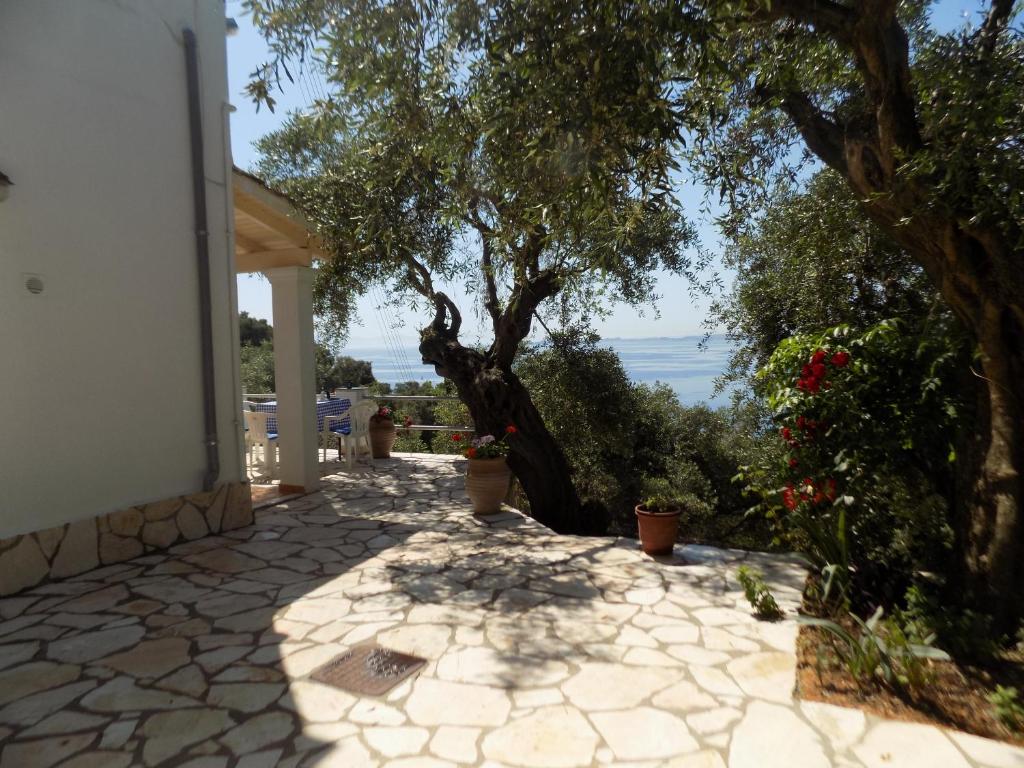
(658, 530)
(487, 484)
(382, 437)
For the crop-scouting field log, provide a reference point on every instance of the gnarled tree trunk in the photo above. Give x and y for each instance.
(977, 268)
(975, 272)
(497, 398)
(991, 535)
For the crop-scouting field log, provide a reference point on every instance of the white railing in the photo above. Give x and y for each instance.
(362, 392)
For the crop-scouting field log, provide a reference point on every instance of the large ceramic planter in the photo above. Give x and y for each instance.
(658, 530)
(382, 437)
(487, 484)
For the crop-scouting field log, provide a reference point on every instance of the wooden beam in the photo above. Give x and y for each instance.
(260, 261)
(246, 243)
(288, 228)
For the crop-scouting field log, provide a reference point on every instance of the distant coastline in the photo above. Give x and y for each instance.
(673, 360)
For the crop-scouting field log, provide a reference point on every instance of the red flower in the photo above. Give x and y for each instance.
(831, 489)
(457, 436)
(793, 463)
(787, 433)
(511, 429)
(819, 370)
(819, 497)
(818, 357)
(806, 371)
(471, 453)
(789, 498)
(840, 359)
(813, 385)
(801, 422)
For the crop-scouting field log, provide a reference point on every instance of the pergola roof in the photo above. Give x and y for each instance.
(269, 231)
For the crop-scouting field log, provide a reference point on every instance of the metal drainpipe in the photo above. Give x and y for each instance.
(195, 124)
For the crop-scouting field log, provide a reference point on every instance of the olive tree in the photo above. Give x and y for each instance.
(926, 129)
(523, 147)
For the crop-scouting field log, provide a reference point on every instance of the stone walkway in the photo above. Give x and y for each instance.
(543, 650)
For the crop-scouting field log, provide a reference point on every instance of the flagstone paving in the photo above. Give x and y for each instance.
(543, 651)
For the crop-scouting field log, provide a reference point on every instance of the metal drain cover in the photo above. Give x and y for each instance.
(368, 670)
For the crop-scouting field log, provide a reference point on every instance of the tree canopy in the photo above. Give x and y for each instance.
(811, 259)
(526, 147)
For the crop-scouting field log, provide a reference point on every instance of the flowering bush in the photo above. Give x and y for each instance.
(487, 446)
(867, 424)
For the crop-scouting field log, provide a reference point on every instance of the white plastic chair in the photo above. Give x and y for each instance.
(358, 431)
(256, 434)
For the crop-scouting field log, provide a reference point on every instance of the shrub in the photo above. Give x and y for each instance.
(660, 494)
(880, 650)
(757, 593)
(867, 423)
(1008, 709)
(965, 633)
(617, 435)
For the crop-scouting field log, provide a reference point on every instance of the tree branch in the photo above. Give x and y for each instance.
(872, 33)
(514, 324)
(995, 22)
(444, 306)
(829, 17)
(823, 137)
(419, 276)
(490, 287)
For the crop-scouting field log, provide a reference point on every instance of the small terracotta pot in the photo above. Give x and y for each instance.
(382, 437)
(487, 484)
(658, 530)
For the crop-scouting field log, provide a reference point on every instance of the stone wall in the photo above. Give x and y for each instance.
(65, 550)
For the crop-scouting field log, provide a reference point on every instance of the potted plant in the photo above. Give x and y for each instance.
(383, 432)
(488, 475)
(658, 517)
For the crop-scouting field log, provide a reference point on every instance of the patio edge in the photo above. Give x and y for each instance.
(66, 550)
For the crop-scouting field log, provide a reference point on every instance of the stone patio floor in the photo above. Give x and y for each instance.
(544, 650)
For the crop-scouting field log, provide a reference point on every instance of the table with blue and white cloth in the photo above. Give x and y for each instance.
(324, 408)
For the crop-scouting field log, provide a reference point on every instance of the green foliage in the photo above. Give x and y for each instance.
(618, 434)
(1008, 708)
(498, 144)
(758, 594)
(429, 413)
(349, 372)
(257, 361)
(880, 650)
(660, 494)
(811, 259)
(868, 424)
(964, 632)
(253, 331)
(257, 368)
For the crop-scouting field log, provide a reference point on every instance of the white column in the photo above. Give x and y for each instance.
(295, 378)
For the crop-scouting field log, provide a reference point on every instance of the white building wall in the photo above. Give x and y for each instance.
(100, 377)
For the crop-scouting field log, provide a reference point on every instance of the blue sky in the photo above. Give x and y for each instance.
(678, 314)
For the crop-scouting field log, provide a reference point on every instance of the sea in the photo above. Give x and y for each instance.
(678, 361)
